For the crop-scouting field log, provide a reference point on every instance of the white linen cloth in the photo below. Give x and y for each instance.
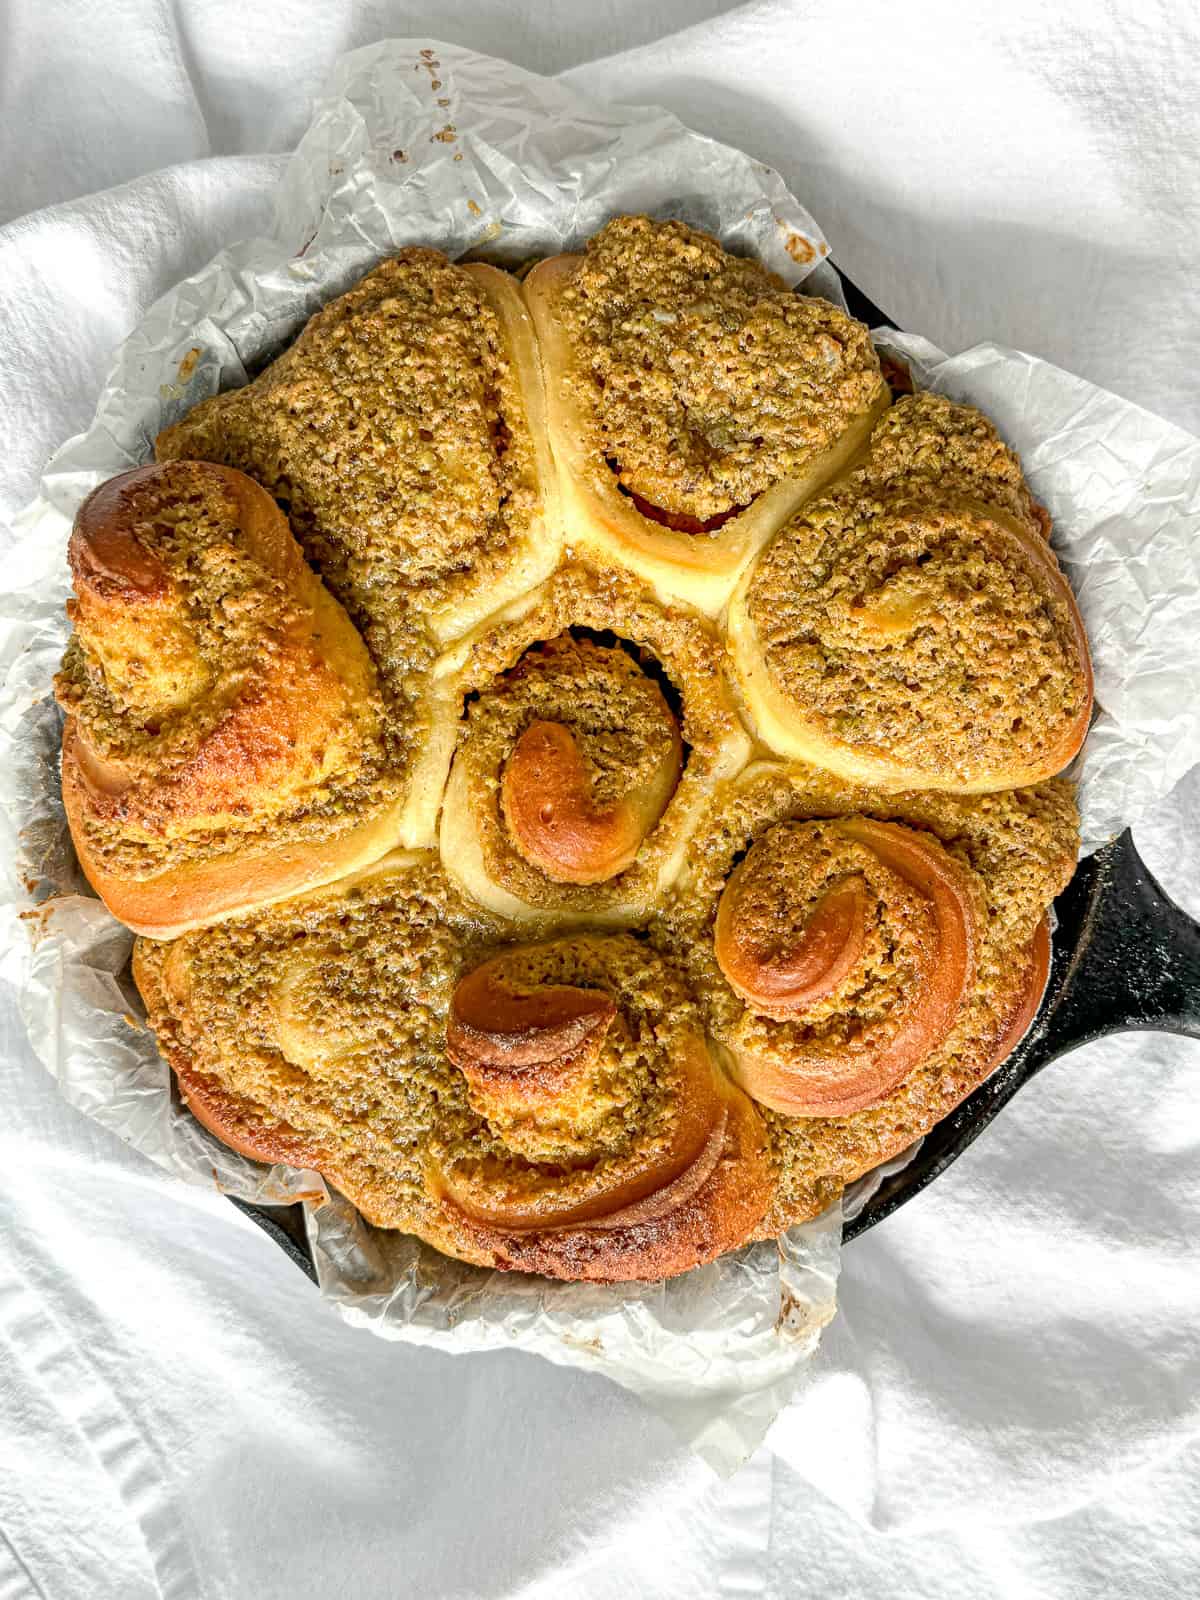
(180, 1415)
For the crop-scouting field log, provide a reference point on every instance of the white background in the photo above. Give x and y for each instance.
(1007, 1405)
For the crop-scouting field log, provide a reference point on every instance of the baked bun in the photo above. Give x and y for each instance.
(694, 401)
(863, 935)
(618, 1148)
(549, 1108)
(865, 959)
(405, 432)
(224, 743)
(596, 723)
(912, 628)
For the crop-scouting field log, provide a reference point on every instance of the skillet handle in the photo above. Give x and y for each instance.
(1126, 958)
(1133, 956)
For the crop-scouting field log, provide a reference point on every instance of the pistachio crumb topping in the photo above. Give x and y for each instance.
(706, 377)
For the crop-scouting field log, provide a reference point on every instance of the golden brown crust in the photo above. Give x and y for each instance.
(1036, 968)
(238, 1121)
(243, 1126)
(224, 739)
(405, 432)
(611, 705)
(196, 893)
(711, 1209)
(1017, 848)
(329, 1014)
(693, 401)
(860, 957)
(521, 1042)
(902, 630)
(604, 1144)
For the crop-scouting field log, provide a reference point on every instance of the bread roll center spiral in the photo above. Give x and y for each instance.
(857, 938)
(572, 807)
(499, 1029)
(590, 1122)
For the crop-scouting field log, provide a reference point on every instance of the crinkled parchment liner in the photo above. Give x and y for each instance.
(433, 144)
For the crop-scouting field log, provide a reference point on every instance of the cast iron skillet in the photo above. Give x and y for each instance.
(1125, 958)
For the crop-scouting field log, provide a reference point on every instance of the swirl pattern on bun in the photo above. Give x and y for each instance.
(620, 1149)
(548, 1107)
(596, 723)
(859, 937)
(225, 741)
(865, 958)
(912, 628)
(594, 765)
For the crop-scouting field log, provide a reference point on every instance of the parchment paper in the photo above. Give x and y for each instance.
(429, 143)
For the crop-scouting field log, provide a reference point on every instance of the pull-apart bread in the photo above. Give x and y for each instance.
(716, 703)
